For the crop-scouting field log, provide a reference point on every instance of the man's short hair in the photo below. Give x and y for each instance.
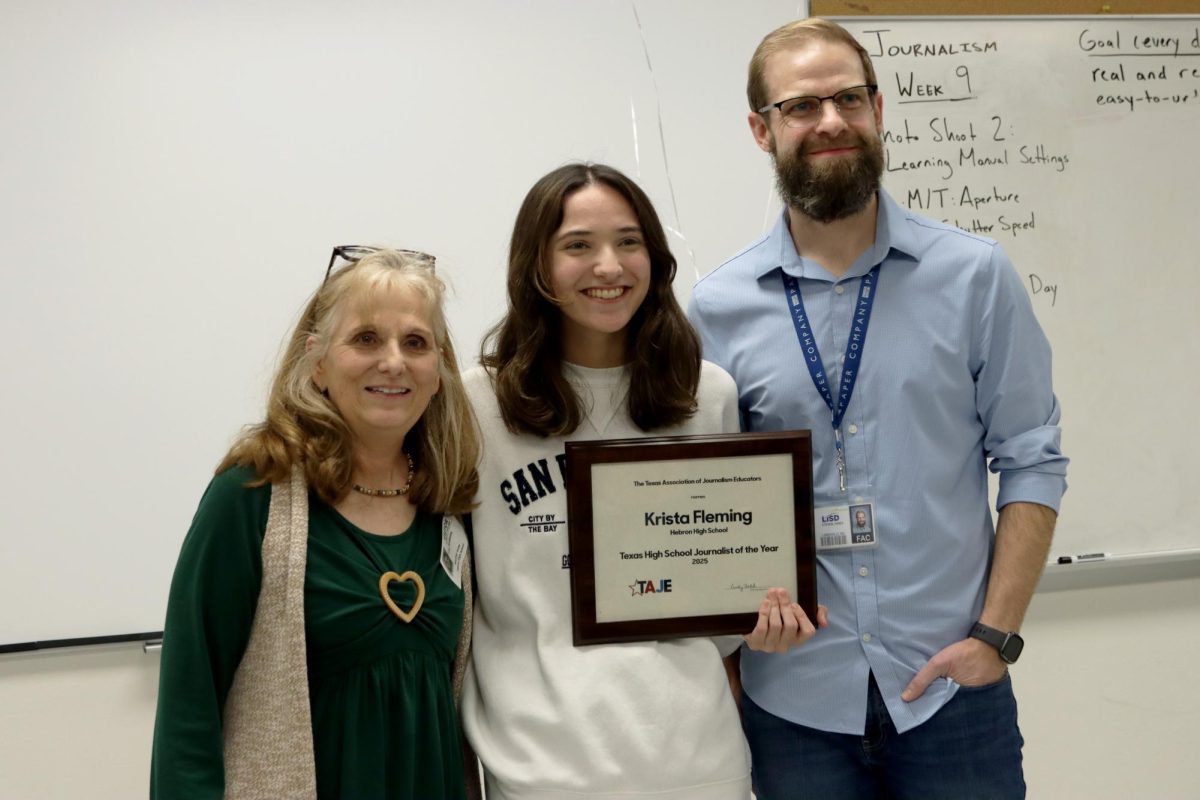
(793, 36)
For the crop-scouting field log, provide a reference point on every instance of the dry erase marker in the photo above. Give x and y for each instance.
(1083, 558)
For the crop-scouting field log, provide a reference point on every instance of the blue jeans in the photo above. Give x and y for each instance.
(969, 750)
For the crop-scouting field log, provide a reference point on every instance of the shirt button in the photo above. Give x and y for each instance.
(864, 571)
(853, 428)
(866, 637)
(839, 288)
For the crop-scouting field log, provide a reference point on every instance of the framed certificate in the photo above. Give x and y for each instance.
(682, 535)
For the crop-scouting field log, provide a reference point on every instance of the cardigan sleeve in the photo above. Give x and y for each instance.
(213, 595)
(463, 651)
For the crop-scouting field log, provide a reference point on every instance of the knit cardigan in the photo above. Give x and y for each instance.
(267, 726)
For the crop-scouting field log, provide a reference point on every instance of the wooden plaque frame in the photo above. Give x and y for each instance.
(640, 455)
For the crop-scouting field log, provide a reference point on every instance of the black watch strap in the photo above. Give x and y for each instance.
(1008, 644)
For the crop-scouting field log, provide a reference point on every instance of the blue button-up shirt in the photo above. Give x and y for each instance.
(954, 376)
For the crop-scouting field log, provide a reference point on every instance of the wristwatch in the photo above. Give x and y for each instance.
(1008, 643)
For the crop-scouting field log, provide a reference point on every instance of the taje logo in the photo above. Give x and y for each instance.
(662, 586)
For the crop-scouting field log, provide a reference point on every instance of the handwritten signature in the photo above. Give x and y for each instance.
(742, 587)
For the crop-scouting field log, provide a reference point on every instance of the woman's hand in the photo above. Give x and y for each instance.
(783, 624)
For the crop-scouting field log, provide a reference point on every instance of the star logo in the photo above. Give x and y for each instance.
(633, 589)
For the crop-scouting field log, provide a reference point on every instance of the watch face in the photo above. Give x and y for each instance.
(1012, 648)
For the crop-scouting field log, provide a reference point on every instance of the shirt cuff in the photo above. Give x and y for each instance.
(1043, 488)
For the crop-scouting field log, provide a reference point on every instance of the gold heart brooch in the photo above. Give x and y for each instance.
(387, 578)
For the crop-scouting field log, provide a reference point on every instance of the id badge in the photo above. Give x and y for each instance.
(846, 526)
(454, 548)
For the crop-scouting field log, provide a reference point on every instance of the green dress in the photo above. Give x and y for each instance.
(383, 714)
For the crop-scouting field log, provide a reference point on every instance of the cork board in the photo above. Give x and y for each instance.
(959, 8)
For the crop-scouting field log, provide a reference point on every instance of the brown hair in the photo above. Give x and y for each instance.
(793, 36)
(304, 427)
(523, 352)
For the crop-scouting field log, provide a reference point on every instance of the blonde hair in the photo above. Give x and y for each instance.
(304, 427)
(793, 36)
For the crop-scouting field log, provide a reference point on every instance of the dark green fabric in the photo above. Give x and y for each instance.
(384, 721)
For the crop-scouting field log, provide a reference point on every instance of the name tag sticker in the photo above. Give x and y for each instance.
(454, 548)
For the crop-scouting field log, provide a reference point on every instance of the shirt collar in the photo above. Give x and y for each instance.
(891, 233)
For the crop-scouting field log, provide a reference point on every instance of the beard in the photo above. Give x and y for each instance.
(833, 190)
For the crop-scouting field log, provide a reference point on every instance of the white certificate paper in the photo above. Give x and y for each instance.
(692, 537)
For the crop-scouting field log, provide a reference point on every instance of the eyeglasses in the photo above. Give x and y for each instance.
(799, 111)
(357, 252)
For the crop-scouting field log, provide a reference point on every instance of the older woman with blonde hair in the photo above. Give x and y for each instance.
(320, 610)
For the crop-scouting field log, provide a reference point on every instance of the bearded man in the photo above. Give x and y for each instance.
(917, 363)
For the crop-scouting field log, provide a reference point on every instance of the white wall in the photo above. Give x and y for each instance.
(1106, 687)
(1107, 692)
(77, 723)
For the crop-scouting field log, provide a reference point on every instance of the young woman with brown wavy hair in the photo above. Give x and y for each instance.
(593, 345)
(657, 343)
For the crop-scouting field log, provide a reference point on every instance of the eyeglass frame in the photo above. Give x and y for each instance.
(871, 88)
(353, 253)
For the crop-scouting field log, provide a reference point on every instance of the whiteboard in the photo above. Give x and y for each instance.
(1074, 143)
(173, 176)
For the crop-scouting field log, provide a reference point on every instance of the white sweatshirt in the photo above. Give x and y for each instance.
(548, 719)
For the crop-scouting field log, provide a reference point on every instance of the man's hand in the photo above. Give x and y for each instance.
(782, 624)
(1023, 535)
(969, 662)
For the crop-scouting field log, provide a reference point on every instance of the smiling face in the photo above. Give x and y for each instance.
(381, 366)
(830, 168)
(600, 272)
